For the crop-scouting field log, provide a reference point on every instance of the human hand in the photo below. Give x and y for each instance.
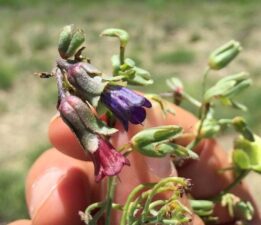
(60, 183)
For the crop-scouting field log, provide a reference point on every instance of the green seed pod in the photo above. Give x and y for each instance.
(222, 56)
(119, 33)
(71, 38)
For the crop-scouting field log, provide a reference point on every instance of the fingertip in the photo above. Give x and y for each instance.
(58, 186)
(64, 140)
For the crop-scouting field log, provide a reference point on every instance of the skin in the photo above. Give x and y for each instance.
(61, 181)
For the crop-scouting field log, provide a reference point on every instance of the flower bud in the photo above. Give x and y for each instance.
(241, 126)
(244, 210)
(157, 142)
(222, 56)
(71, 38)
(155, 135)
(107, 161)
(76, 113)
(247, 154)
(85, 78)
(119, 33)
(202, 207)
(177, 88)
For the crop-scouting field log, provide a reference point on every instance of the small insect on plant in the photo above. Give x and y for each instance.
(91, 103)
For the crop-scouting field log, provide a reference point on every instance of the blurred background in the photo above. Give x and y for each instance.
(168, 38)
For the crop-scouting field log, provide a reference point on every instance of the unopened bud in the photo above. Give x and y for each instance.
(80, 117)
(244, 210)
(71, 38)
(156, 134)
(122, 35)
(157, 142)
(241, 126)
(202, 207)
(222, 56)
(85, 78)
(247, 154)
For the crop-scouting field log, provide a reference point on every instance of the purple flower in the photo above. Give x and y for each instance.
(107, 161)
(76, 114)
(126, 105)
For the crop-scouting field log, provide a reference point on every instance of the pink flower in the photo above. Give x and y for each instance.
(107, 161)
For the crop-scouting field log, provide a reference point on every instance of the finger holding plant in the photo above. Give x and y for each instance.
(85, 96)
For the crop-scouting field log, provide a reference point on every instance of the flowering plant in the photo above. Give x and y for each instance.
(90, 102)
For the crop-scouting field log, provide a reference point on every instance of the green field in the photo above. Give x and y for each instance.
(168, 38)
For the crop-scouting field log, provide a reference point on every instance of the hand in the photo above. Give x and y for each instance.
(60, 183)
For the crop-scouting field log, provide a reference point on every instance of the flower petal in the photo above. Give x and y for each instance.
(107, 161)
(137, 115)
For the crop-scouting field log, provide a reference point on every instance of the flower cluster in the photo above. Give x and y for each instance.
(82, 88)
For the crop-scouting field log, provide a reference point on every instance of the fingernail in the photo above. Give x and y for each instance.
(161, 167)
(43, 187)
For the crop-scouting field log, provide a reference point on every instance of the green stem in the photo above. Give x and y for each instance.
(122, 53)
(134, 192)
(204, 81)
(111, 184)
(192, 100)
(203, 111)
(237, 180)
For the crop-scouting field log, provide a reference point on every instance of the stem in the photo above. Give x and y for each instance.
(237, 180)
(204, 81)
(191, 99)
(110, 194)
(134, 192)
(203, 111)
(122, 52)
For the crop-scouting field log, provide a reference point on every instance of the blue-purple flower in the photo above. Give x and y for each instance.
(125, 104)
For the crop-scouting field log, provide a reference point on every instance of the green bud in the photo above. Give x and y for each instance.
(247, 154)
(244, 210)
(157, 142)
(222, 56)
(241, 126)
(228, 86)
(71, 38)
(202, 207)
(155, 135)
(237, 208)
(132, 74)
(119, 33)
